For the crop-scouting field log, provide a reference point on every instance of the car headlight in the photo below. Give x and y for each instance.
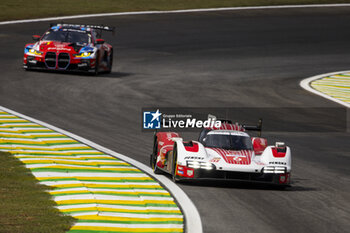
(35, 52)
(199, 164)
(271, 169)
(83, 54)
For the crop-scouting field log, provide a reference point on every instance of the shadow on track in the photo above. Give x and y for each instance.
(85, 74)
(295, 186)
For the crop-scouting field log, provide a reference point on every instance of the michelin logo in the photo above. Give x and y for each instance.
(151, 120)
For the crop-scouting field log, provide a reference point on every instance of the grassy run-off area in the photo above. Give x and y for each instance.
(24, 204)
(24, 9)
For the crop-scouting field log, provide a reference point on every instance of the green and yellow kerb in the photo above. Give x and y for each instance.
(103, 193)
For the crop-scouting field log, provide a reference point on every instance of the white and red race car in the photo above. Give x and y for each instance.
(227, 152)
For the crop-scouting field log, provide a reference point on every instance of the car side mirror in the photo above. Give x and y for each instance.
(100, 41)
(36, 37)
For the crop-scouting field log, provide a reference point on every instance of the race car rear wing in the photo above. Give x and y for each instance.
(97, 27)
(257, 127)
(212, 117)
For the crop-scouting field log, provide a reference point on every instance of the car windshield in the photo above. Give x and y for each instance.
(67, 36)
(228, 142)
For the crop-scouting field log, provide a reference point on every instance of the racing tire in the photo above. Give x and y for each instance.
(97, 64)
(26, 67)
(110, 64)
(174, 168)
(154, 166)
(153, 157)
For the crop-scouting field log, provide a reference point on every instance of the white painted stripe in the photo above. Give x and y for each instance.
(55, 156)
(129, 215)
(41, 139)
(31, 134)
(41, 165)
(90, 174)
(129, 190)
(74, 161)
(94, 213)
(132, 226)
(107, 190)
(137, 207)
(18, 124)
(68, 190)
(65, 207)
(122, 207)
(28, 128)
(306, 85)
(109, 197)
(67, 182)
(76, 197)
(174, 12)
(44, 134)
(69, 146)
(191, 214)
(21, 148)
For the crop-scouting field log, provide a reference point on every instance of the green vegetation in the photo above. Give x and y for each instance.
(24, 205)
(23, 9)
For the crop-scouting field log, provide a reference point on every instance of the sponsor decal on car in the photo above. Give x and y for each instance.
(215, 160)
(193, 157)
(190, 172)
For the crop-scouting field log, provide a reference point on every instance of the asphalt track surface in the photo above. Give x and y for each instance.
(217, 59)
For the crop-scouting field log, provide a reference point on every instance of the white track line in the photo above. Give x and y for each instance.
(193, 222)
(173, 12)
(305, 83)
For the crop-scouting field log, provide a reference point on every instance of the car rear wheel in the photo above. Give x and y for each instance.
(110, 63)
(97, 64)
(174, 165)
(155, 168)
(153, 157)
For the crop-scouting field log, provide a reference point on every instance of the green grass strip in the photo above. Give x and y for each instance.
(24, 204)
(19, 9)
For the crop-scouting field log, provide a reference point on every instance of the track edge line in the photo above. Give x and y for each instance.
(305, 84)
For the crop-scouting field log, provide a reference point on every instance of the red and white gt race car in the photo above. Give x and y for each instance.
(227, 152)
